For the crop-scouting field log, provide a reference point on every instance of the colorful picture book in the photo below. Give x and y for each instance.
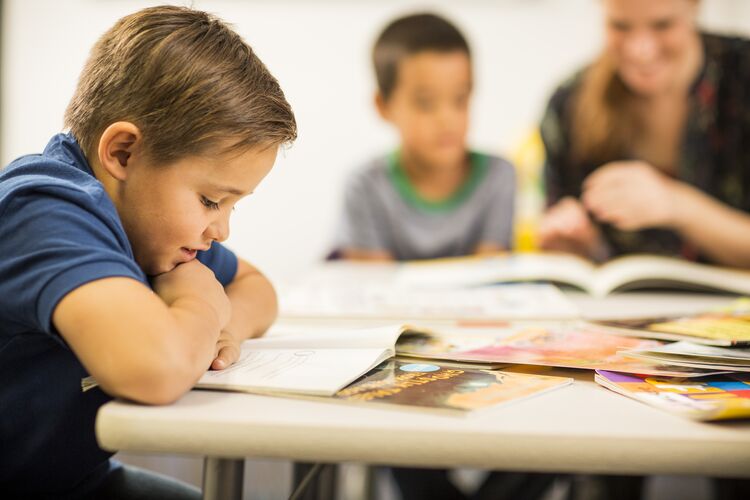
(548, 344)
(619, 274)
(696, 356)
(726, 326)
(718, 397)
(434, 386)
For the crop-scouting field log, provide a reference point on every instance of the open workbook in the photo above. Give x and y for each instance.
(312, 362)
(619, 274)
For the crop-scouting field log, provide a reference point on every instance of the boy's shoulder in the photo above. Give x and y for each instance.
(495, 169)
(493, 162)
(50, 176)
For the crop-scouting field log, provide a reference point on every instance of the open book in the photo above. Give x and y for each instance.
(619, 274)
(387, 302)
(312, 362)
(370, 290)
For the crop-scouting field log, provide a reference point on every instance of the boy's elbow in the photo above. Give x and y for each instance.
(158, 380)
(156, 387)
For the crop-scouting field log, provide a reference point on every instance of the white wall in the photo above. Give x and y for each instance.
(319, 50)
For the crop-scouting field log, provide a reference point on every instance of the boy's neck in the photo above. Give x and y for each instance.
(435, 182)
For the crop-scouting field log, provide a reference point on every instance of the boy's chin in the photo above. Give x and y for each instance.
(157, 268)
(447, 158)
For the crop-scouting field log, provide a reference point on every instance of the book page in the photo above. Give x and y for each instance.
(652, 271)
(324, 337)
(308, 371)
(512, 301)
(475, 271)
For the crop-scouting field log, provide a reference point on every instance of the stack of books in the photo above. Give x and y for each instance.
(717, 340)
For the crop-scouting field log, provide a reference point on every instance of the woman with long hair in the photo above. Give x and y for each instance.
(648, 147)
(648, 150)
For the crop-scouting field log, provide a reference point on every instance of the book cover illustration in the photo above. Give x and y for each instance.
(717, 397)
(430, 385)
(560, 345)
(731, 359)
(727, 326)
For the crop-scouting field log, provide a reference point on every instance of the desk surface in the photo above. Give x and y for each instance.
(579, 428)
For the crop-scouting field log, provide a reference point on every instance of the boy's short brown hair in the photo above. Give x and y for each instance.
(186, 80)
(408, 35)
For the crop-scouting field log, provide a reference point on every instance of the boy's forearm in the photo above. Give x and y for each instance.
(183, 355)
(254, 305)
(199, 327)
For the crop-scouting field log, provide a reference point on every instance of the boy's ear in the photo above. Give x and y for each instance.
(381, 104)
(119, 146)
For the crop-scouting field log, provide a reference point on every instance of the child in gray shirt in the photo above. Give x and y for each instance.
(433, 197)
(385, 213)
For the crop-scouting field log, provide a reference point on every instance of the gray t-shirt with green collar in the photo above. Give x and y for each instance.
(382, 211)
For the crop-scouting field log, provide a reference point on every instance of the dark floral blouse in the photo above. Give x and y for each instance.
(715, 154)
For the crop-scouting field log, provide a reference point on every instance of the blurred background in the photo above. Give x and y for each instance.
(320, 52)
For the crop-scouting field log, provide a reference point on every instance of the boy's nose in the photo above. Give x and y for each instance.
(218, 230)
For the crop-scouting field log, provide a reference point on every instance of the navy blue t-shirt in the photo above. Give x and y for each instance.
(58, 230)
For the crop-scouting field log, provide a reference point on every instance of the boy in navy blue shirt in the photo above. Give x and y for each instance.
(110, 261)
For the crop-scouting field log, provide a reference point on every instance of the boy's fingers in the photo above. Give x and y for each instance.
(227, 355)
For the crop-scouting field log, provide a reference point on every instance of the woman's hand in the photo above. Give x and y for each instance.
(566, 227)
(632, 195)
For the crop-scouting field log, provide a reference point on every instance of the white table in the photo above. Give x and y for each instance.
(580, 428)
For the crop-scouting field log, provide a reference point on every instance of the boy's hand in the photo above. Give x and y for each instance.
(227, 351)
(196, 280)
(566, 227)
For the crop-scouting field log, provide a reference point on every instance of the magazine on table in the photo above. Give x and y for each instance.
(427, 385)
(725, 326)
(559, 344)
(717, 397)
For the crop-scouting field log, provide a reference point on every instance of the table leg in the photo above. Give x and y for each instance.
(320, 487)
(222, 478)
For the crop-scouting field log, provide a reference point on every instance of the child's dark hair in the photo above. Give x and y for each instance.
(408, 35)
(186, 80)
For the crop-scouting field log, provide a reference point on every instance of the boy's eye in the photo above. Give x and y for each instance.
(663, 24)
(424, 104)
(209, 204)
(619, 26)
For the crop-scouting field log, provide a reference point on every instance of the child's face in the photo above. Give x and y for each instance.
(170, 212)
(430, 106)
